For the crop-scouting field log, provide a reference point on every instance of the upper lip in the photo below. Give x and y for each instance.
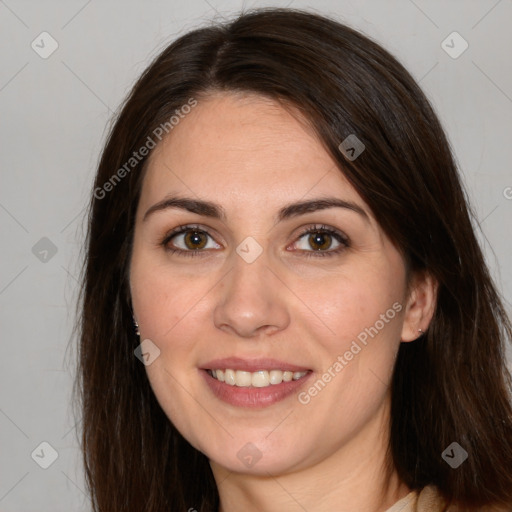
(251, 365)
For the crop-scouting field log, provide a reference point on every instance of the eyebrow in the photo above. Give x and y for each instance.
(215, 211)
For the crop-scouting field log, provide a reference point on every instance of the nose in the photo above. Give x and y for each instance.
(252, 300)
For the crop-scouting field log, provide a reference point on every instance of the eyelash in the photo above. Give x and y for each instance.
(341, 238)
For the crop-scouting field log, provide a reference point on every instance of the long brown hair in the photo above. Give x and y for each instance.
(451, 385)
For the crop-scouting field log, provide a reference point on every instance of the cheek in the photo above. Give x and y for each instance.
(170, 314)
(162, 299)
(350, 305)
(361, 315)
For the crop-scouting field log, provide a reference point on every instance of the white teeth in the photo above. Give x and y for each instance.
(229, 377)
(259, 379)
(287, 376)
(243, 379)
(276, 376)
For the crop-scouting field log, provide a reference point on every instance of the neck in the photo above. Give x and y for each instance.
(356, 476)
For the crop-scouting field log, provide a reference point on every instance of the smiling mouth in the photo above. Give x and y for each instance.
(258, 379)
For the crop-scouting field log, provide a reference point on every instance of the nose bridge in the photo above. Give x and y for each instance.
(249, 300)
(250, 275)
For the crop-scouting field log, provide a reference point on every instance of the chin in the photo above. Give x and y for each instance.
(254, 462)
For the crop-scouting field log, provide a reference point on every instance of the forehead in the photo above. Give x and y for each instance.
(243, 147)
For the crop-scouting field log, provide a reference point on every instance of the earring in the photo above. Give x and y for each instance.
(137, 332)
(420, 331)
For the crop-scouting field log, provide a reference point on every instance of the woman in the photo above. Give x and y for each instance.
(278, 211)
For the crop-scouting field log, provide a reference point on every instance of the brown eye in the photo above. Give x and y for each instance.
(189, 241)
(195, 239)
(320, 241)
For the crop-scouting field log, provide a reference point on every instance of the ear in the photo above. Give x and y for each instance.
(420, 306)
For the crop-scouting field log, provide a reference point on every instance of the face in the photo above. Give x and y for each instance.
(249, 281)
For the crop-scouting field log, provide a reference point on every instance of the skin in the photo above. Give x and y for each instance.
(252, 157)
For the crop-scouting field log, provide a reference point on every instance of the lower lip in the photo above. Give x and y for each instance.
(253, 397)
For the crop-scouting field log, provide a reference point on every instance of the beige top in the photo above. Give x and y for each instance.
(427, 500)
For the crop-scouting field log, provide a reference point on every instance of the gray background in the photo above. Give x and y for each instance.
(54, 114)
